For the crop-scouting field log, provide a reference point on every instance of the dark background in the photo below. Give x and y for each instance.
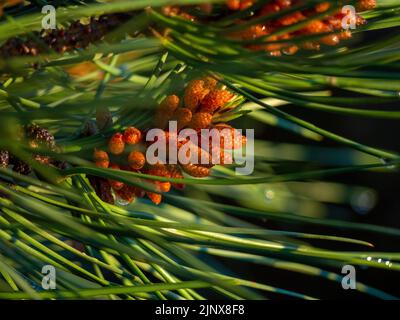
(381, 133)
(375, 132)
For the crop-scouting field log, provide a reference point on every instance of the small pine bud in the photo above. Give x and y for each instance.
(132, 135)
(233, 4)
(102, 188)
(163, 186)
(183, 116)
(103, 118)
(230, 138)
(196, 170)
(195, 153)
(45, 160)
(38, 136)
(22, 167)
(210, 83)
(136, 160)
(165, 111)
(89, 129)
(215, 100)
(105, 192)
(116, 144)
(4, 158)
(169, 104)
(201, 120)
(161, 118)
(317, 26)
(331, 40)
(63, 165)
(101, 158)
(322, 7)
(127, 193)
(176, 173)
(291, 19)
(219, 156)
(363, 5)
(116, 185)
(159, 170)
(206, 8)
(140, 193)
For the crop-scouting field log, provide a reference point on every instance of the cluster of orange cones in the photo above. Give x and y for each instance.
(202, 99)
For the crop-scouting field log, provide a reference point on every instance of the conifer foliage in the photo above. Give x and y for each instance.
(79, 192)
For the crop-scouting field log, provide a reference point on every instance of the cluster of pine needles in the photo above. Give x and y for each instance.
(108, 66)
